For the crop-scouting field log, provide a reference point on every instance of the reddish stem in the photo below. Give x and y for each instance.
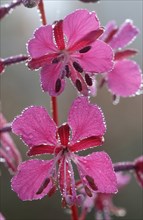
(42, 12)
(74, 215)
(53, 99)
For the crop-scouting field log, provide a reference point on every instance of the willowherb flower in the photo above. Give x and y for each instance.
(9, 154)
(70, 48)
(85, 128)
(103, 202)
(125, 79)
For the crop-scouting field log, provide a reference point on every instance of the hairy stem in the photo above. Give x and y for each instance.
(124, 166)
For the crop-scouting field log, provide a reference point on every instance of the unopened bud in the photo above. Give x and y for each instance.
(30, 3)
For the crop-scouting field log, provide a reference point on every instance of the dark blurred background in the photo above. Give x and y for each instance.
(20, 88)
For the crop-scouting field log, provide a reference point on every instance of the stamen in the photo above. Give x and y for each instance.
(52, 191)
(88, 191)
(85, 49)
(88, 80)
(67, 71)
(55, 60)
(58, 85)
(78, 85)
(77, 67)
(91, 182)
(43, 186)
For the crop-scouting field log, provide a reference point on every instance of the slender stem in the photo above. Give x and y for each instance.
(74, 212)
(15, 59)
(124, 166)
(6, 128)
(53, 99)
(42, 12)
(54, 109)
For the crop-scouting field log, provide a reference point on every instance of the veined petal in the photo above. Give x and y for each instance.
(87, 143)
(125, 79)
(50, 75)
(42, 43)
(124, 36)
(32, 175)
(85, 120)
(109, 28)
(35, 127)
(99, 167)
(78, 24)
(98, 59)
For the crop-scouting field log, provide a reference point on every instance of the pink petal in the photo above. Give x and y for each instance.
(98, 166)
(122, 179)
(49, 76)
(139, 170)
(98, 59)
(8, 146)
(85, 120)
(87, 143)
(42, 43)
(2, 217)
(35, 127)
(109, 28)
(125, 35)
(1, 66)
(125, 79)
(78, 24)
(120, 55)
(30, 177)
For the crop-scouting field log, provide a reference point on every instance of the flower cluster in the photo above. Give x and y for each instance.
(80, 49)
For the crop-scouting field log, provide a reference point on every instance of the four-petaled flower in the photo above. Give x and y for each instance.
(70, 48)
(125, 79)
(84, 129)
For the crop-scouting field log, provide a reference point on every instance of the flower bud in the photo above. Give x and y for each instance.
(30, 3)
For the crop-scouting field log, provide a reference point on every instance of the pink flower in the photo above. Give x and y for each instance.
(9, 154)
(70, 48)
(139, 170)
(85, 128)
(103, 203)
(125, 78)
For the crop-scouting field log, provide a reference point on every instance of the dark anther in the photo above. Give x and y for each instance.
(55, 60)
(85, 49)
(43, 186)
(67, 71)
(88, 191)
(58, 85)
(91, 182)
(88, 80)
(78, 85)
(77, 67)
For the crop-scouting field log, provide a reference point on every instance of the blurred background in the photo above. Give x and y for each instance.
(20, 88)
